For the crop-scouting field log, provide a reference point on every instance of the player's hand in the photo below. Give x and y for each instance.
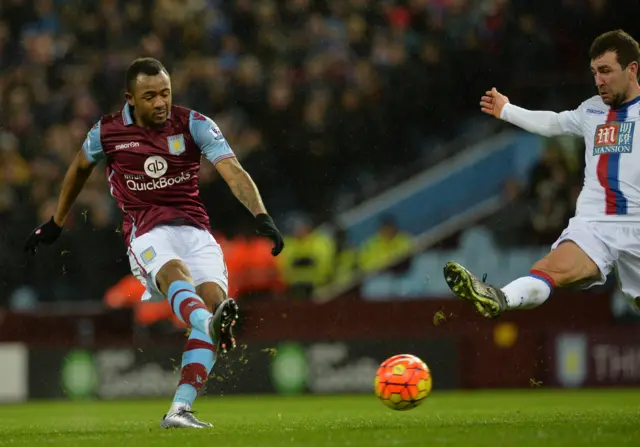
(268, 229)
(493, 102)
(46, 234)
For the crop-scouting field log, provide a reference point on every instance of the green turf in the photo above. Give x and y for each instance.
(537, 417)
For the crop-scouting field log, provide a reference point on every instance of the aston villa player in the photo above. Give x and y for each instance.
(152, 151)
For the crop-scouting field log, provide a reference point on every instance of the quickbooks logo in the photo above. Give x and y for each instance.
(79, 378)
(289, 369)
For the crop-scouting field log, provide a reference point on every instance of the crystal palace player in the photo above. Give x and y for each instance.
(605, 232)
(152, 151)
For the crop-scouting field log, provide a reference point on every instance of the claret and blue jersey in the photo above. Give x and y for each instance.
(611, 188)
(153, 172)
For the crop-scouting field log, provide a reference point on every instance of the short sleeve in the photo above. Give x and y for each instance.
(207, 135)
(92, 145)
(571, 121)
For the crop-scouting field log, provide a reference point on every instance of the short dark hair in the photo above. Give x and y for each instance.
(146, 66)
(621, 43)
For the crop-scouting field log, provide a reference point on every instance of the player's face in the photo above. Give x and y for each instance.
(151, 98)
(611, 79)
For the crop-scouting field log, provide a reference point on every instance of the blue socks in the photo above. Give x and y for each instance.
(188, 306)
(199, 353)
(197, 361)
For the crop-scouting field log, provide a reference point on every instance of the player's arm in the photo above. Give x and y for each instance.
(545, 123)
(74, 180)
(215, 148)
(78, 173)
(241, 184)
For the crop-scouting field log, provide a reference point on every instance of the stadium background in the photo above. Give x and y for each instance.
(358, 120)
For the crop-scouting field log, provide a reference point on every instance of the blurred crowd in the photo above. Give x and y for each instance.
(537, 209)
(324, 102)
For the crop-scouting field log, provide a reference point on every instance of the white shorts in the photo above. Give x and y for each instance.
(197, 248)
(611, 245)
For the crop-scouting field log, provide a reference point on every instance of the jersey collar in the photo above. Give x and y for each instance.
(127, 117)
(628, 104)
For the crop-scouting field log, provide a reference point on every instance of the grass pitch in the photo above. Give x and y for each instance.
(535, 417)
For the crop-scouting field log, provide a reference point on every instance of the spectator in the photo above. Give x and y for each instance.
(307, 262)
(509, 225)
(388, 245)
(550, 193)
(345, 264)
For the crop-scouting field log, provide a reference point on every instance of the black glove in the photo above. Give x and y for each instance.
(268, 229)
(46, 234)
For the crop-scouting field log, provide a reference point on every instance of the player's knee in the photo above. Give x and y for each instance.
(174, 270)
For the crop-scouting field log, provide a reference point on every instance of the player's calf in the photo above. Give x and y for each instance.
(198, 359)
(212, 294)
(567, 264)
(174, 280)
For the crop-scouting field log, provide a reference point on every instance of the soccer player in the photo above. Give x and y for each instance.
(152, 151)
(605, 232)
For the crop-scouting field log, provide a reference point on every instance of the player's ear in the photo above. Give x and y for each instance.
(633, 69)
(129, 97)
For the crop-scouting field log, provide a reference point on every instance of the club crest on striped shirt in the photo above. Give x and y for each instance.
(614, 138)
(176, 144)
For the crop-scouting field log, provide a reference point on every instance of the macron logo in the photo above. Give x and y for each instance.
(127, 145)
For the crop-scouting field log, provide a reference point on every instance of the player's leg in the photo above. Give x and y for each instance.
(198, 359)
(567, 264)
(175, 282)
(628, 264)
(215, 298)
(579, 256)
(203, 260)
(200, 354)
(157, 255)
(628, 275)
(211, 314)
(210, 333)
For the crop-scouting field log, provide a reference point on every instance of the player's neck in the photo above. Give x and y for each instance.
(140, 123)
(632, 94)
(136, 119)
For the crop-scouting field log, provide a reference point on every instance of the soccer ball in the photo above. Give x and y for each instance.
(403, 382)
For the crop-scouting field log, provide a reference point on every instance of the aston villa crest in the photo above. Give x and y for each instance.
(176, 144)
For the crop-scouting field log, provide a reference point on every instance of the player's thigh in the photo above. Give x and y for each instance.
(208, 269)
(157, 260)
(628, 263)
(579, 257)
